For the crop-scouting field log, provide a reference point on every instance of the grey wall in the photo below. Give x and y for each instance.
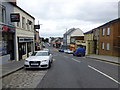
(9, 9)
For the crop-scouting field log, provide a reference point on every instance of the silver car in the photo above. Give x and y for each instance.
(39, 59)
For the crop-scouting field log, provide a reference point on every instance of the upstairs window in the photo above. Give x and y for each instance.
(2, 14)
(108, 31)
(28, 27)
(23, 22)
(103, 31)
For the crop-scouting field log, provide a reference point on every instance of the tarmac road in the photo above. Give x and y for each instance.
(69, 71)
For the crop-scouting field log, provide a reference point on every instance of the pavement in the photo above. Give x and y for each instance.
(111, 59)
(8, 67)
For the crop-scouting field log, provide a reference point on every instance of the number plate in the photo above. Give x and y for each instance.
(34, 64)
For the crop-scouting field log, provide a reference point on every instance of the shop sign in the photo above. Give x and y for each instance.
(15, 17)
(8, 29)
(80, 38)
(36, 26)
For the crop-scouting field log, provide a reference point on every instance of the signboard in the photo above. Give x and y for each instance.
(80, 38)
(15, 17)
(36, 26)
(8, 29)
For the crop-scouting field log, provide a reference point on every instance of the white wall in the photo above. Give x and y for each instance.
(20, 32)
(77, 32)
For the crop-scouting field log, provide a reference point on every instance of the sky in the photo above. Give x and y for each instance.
(57, 16)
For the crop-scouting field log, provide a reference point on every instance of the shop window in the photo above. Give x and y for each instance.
(29, 47)
(4, 45)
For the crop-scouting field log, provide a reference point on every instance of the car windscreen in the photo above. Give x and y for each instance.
(34, 53)
(41, 54)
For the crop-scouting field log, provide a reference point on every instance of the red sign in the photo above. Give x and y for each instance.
(4, 28)
(80, 38)
(8, 29)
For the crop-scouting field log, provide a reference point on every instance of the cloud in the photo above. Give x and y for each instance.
(57, 15)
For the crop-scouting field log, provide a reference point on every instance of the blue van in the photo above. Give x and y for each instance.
(79, 52)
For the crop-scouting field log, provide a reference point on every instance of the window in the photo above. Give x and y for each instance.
(18, 24)
(2, 14)
(4, 44)
(28, 27)
(103, 31)
(103, 45)
(108, 31)
(23, 22)
(108, 46)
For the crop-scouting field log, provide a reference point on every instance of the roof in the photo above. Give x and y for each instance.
(21, 9)
(70, 31)
(110, 22)
(91, 31)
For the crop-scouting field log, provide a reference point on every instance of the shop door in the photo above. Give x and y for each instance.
(20, 51)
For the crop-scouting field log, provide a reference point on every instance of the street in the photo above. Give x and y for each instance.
(67, 71)
(79, 72)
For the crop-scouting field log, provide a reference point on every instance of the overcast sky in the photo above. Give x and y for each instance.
(57, 15)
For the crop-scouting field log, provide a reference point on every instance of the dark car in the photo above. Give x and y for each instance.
(61, 50)
(79, 52)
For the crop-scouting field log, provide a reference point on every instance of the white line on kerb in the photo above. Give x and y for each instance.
(104, 74)
(75, 60)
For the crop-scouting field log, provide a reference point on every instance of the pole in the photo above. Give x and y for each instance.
(66, 38)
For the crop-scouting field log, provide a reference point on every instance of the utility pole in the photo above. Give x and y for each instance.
(66, 38)
(39, 33)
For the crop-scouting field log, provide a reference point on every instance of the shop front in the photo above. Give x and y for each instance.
(8, 34)
(25, 47)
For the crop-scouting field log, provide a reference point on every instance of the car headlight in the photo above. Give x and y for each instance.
(26, 61)
(44, 60)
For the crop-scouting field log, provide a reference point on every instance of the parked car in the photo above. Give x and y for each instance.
(39, 59)
(69, 51)
(45, 49)
(61, 50)
(79, 52)
(65, 50)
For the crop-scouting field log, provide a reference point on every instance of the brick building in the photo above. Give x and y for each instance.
(109, 38)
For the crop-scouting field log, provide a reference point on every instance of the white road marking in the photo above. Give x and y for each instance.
(76, 60)
(104, 74)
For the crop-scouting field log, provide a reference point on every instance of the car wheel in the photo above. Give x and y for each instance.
(49, 65)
